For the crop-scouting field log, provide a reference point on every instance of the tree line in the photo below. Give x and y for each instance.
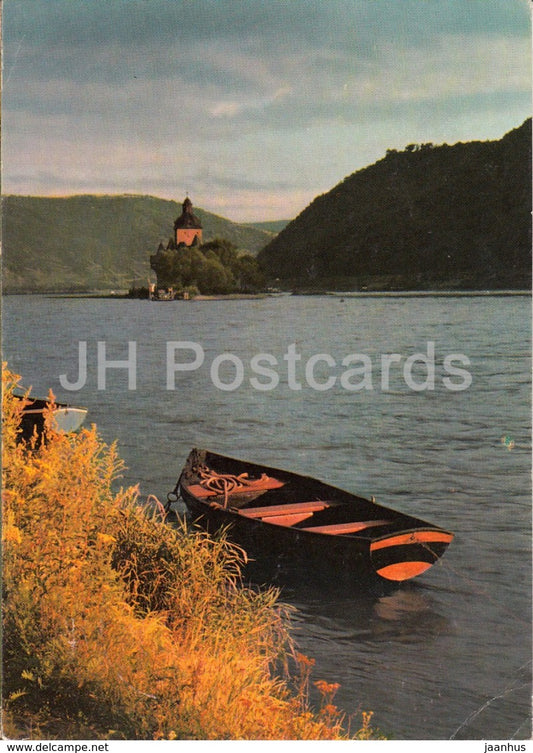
(214, 268)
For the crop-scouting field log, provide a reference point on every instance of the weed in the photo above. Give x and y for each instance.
(118, 626)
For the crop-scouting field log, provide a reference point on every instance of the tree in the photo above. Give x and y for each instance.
(214, 268)
(215, 278)
(225, 250)
(248, 274)
(163, 265)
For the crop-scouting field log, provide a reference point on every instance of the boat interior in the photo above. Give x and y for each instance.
(285, 499)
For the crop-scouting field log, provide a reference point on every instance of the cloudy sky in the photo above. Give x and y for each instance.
(252, 106)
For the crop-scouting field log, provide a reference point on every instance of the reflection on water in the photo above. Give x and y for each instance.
(400, 613)
(406, 616)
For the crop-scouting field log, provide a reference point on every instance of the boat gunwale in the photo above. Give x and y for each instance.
(349, 497)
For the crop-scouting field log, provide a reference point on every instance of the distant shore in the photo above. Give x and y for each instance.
(451, 293)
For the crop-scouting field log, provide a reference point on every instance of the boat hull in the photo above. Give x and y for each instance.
(306, 521)
(288, 547)
(65, 419)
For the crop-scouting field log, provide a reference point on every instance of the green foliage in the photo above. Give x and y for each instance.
(248, 274)
(84, 243)
(216, 278)
(214, 268)
(429, 216)
(272, 226)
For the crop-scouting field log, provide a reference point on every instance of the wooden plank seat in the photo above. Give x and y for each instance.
(288, 509)
(350, 527)
(287, 520)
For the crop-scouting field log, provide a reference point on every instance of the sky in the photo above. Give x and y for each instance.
(252, 107)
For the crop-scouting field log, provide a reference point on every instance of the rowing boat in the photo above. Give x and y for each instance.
(285, 512)
(64, 419)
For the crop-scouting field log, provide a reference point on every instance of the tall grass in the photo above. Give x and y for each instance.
(119, 626)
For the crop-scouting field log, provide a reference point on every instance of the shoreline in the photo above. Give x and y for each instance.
(283, 294)
(127, 654)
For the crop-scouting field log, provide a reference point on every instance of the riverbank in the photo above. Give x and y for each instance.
(118, 626)
(444, 293)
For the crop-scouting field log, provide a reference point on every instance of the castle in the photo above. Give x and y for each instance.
(187, 265)
(187, 228)
(187, 232)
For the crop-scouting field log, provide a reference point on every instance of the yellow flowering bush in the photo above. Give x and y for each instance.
(117, 625)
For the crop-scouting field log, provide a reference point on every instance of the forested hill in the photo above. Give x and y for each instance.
(85, 243)
(427, 217)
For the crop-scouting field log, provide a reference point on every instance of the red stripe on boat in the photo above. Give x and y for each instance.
(414, 537)
(403, 570)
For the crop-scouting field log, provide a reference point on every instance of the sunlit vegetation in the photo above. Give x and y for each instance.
(118, 626)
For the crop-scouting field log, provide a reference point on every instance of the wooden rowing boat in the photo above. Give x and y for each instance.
(286, 512)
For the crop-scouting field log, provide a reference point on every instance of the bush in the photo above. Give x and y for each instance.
(117, 625)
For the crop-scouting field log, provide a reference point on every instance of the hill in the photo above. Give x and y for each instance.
(271, 226)
(430, 216)
(91, 243)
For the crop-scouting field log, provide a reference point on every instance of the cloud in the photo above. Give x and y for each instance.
(279, 99)
(312, 23)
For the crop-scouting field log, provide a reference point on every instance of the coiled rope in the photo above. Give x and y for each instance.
(222, 483)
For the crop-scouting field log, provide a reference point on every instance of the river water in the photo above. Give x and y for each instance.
(431, 415)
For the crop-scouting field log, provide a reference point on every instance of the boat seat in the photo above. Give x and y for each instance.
(287, 520)
(350, 527)
(288, 509)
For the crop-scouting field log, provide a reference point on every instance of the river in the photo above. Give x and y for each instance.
(422, 401)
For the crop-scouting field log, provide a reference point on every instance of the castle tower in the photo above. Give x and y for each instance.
(188, 228)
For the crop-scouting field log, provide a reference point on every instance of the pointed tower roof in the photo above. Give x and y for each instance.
(187, 218)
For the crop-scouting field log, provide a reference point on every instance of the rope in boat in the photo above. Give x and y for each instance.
(222, 483)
